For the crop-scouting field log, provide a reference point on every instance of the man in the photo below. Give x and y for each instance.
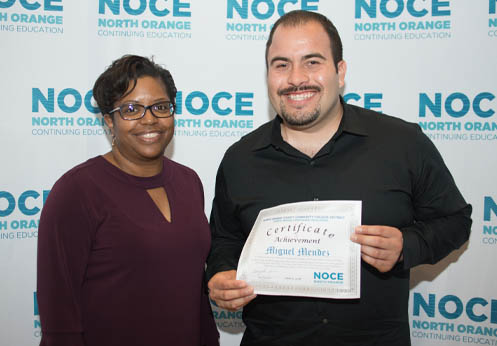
(319, 148)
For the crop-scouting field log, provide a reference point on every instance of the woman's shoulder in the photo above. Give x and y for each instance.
(80, 176)
(72, 191)
(178, 173)
(179, 169)
(82, 171)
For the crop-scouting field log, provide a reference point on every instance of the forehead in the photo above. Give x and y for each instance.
(147, 89)
(147, 83)
(301, 39)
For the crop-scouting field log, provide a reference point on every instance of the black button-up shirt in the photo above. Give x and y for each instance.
(385, 162)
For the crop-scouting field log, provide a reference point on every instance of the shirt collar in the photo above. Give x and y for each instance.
(351, 120)
(350, 123)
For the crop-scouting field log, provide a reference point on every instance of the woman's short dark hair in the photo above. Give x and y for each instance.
(113, 84)
(300, 17)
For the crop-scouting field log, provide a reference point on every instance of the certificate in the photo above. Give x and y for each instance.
(304, 249)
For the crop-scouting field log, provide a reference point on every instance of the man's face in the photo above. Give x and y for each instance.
(303, 83)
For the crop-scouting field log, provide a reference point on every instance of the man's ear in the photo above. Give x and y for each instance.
(342, 70)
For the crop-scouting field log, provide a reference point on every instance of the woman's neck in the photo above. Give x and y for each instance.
(139, 169)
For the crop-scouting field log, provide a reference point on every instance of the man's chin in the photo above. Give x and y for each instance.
(300, 120)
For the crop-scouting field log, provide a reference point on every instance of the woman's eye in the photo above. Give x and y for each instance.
(129, 109)
(162, 107)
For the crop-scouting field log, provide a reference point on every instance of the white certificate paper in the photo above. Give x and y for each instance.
(304, 249)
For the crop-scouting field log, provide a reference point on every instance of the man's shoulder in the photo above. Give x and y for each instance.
(381, 123)
(251, 141)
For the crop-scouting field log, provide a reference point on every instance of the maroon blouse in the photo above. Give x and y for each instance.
(113, 271)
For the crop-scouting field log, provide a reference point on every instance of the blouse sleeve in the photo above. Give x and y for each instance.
(64, 243)
(209, 334)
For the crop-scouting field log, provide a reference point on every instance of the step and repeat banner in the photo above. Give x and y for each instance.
(431, 62)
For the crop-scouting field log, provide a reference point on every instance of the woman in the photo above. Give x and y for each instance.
(123, 237)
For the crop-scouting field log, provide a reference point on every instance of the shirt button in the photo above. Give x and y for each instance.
(325, 320)
(312, 163)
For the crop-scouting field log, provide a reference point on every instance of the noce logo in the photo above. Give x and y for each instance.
(29, 202)
(395, 8)
(178, 8)
(46, 5)
(265, 9)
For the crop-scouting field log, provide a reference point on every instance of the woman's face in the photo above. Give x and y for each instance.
(145, 139)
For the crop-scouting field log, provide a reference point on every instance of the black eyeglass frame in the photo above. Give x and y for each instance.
(171, 107)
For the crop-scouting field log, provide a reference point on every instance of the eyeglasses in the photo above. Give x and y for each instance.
(135, 111)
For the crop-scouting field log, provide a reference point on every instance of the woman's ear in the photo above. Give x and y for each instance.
(109, 121)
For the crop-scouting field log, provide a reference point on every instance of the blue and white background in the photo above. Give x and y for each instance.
(432, 62)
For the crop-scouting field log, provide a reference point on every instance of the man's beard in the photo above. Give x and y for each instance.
(299, 118)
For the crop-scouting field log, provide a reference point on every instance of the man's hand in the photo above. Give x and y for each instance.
(229, 293)
(381, 246)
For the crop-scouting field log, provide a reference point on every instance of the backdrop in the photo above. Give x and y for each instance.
(427, 61)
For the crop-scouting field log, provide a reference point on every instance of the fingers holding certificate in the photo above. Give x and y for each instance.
(304, 249)
(381, 246)
(228, 292)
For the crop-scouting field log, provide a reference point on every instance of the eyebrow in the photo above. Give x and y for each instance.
(278, 58)
(162, 99)
(305, 57)
(313, 55)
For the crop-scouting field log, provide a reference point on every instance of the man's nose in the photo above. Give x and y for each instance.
(298, 76)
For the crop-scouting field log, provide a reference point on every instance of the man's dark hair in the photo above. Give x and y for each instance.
(300, 17)
(113, 84)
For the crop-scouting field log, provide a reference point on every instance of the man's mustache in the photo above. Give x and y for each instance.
(297, 89)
